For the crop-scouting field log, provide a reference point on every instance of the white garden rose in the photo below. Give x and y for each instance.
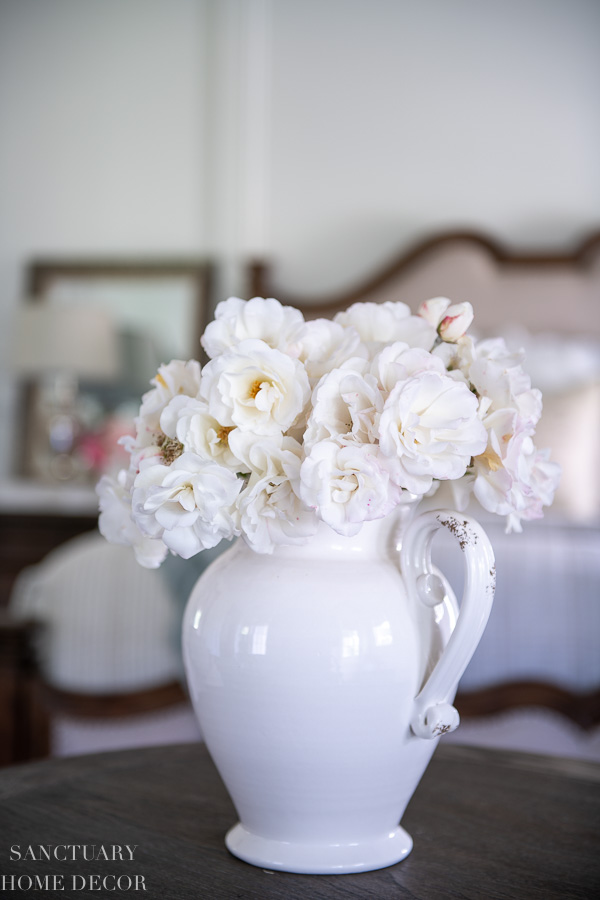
(255, 388)
(540, 472)
(172, 379)
(347, 485)
(187, 421)
(345, 406)
(270, 509)
(498, 373)
(512, 478)
(382, 323)
(116, 523)
(327, 345)
(537, 483)
(430, 425)
(262, 319)
(189, 505)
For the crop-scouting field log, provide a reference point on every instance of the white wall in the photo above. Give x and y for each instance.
(392, 118)
(323, 133)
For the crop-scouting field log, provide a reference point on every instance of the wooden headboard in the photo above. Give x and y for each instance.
(541, 291)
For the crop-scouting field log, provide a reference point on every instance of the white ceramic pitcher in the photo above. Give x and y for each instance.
(322, 677)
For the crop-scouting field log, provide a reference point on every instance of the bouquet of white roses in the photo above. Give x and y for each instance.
(293, 422)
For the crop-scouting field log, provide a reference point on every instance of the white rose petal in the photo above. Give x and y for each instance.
(492, 468)
(176, 377)
(543, 474)
(433, 310)
(457, 357)
(453, 494)
(534, 488)
(255, 388)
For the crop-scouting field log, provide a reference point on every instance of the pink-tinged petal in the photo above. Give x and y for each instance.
(456, 322)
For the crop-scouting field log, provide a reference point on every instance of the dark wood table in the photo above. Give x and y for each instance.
(485, 824)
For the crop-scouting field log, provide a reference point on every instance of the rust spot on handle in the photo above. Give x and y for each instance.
(461, 531)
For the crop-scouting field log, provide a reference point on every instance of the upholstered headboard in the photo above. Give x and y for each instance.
(542, 291)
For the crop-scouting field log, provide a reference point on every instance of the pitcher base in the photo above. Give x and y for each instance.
(319, 859)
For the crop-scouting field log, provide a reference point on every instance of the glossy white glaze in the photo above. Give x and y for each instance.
(321, 685)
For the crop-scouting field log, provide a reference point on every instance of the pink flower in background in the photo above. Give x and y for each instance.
(102, 450)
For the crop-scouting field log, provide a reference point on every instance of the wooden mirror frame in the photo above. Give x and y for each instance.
(42, 273)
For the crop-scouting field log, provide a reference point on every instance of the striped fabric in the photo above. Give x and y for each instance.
(111, 625)
(545, 622)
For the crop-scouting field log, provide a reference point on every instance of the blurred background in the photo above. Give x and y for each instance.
(179, 140)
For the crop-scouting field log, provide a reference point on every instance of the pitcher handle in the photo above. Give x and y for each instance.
(433, 714)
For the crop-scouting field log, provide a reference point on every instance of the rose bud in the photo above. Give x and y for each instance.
(456, 321)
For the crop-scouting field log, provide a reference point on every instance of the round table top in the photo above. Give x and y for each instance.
(487, 824)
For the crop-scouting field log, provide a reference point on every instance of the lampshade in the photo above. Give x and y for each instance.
(79, 340)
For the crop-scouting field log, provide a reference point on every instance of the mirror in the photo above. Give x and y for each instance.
(155, 311)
